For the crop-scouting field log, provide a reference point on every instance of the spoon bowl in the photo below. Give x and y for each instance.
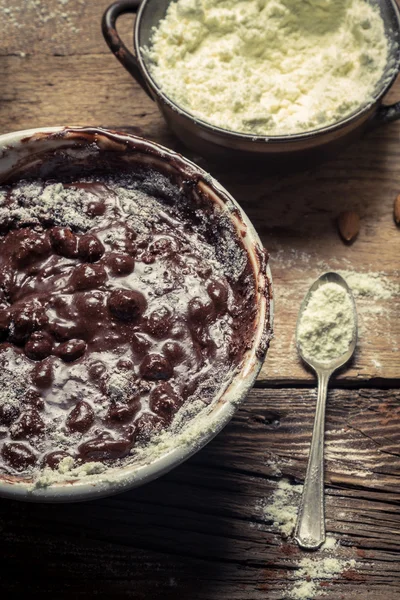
(338, 362)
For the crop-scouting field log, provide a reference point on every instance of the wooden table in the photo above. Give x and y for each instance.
(200, 532)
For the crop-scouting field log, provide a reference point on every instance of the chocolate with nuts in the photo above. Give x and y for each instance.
(119, 303)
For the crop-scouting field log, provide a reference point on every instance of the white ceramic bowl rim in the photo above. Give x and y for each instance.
(25, 147)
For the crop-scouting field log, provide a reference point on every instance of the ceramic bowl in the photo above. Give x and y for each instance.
(43, 152)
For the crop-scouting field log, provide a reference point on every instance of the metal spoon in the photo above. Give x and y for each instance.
(310, 526)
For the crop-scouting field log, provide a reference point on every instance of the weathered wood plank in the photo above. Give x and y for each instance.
(202, 532)
(295, 215)
(55, 27)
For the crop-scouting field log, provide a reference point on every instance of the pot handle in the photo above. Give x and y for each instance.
(114, 42)
(386, 114)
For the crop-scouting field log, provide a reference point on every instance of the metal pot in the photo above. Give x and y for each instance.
(303, 149)
(58, 150)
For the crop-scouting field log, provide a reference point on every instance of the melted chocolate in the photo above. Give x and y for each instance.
(108, 328)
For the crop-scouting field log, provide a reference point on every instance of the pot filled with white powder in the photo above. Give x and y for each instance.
(276, 79)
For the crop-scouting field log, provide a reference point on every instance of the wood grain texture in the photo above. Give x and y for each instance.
(202, 532)
(55, 27)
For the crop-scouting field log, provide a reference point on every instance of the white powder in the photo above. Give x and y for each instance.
(67, 469)
(326, 327)
(39, 13)
(14, 381)
(30, 203)
(370, 285)
(329, 544)
(269, 67)
(284, 506)
(313, 571)
(283, 509)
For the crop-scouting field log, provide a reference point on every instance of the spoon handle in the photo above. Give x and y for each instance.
(310, 526)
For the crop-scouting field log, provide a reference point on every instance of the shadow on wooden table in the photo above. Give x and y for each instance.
(170, 539)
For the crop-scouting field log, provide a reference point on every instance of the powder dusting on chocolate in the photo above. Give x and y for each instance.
(125, 305)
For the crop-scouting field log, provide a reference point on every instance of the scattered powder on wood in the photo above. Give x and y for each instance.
(371, 285)
(313, 571)
(326, 327)
(38, 13)
(284, 506)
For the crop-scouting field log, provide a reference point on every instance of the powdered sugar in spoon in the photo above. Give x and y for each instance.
(326, 336)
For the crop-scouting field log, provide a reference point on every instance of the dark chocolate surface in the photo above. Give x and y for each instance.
(120, 301)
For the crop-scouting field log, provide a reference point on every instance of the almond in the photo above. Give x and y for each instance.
(348, 223)
(396, 210)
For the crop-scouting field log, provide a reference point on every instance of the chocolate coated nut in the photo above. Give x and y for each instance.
(140, 344)
(123, 411)
(126, 305)
(164, 401)
(71, 350)
(91, 304)
(204, 271)
(53, 459)
(178, 331)
(42, 375)
(18, 456)
(204, 339)
(218, 293)
(200, 311)
(173, 351)
(163, 245)
(29, 423)
(147, 425)
(120, 264)
(6, 280)
(156, 366)
(62, 331)
(87, 277)
(159, 322)
(81, 417)
(125, 364)
(8, 413)
(33, 399)
(96, 209)
(31, 247)
(64, 242)
(90, 248)
(147, 258)
(129, 432)
(39, 345)
(101, 448)
(25, 320)
(130, 247)
(96, 369)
